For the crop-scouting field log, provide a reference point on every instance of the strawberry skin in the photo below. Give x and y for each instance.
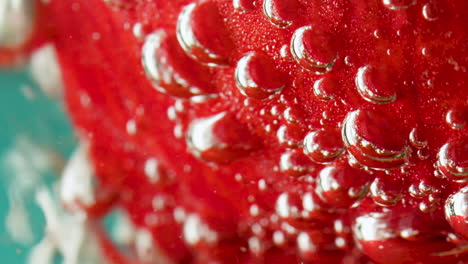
(274, 131)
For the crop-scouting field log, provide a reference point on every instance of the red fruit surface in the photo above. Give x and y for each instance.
(283, 131)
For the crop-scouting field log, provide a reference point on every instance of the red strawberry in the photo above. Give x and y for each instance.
(275, 131)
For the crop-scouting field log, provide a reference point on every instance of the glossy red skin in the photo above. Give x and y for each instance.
(109, 72)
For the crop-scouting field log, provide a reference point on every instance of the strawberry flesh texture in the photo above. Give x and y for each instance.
(427, 62)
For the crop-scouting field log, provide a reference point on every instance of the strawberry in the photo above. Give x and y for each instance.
(275, 131)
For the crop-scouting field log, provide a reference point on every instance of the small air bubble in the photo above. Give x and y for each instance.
(254, 210)
(151, 170)
(96, 36)
(131, 127)
(279, 238)
(430, 12)
(262, 185)
(137, 30)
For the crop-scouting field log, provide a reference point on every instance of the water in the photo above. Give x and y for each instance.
(35, 140)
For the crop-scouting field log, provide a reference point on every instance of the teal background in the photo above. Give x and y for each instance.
(44, 122)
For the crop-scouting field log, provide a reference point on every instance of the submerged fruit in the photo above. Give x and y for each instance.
(273, 131)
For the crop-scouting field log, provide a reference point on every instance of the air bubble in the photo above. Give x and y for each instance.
(178, 130)
(137, 31)
(195, 231)
(179, 215)
(398, 4)
(243, 5)
(409, 234)
(430, 12)
(318, 246)
(456, 211)
(452, 160)
(171, 113)
(151, 170)
(284, 207)
(255, 245)
(294, 162)
(375, 85)
(281, 12)
(348, 61)
(414, 191)
(202, 34)
(340, 185)
(160, 202)
(341, 243)
(304, 243)
(254, 210)
(311, 50)
(170, 70)
(422, 154)
(279, 238)
(290, 136)
(375, 140)
(372, 227)
(257, 77)
(323, 146)
(457, 117)
(284, 52)
(262, 185)
(426, 188)
(383, 194)
(415, 139)
(220, 138)
(324, 89)
(291, 115)
(314, 209)
(131, 127)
